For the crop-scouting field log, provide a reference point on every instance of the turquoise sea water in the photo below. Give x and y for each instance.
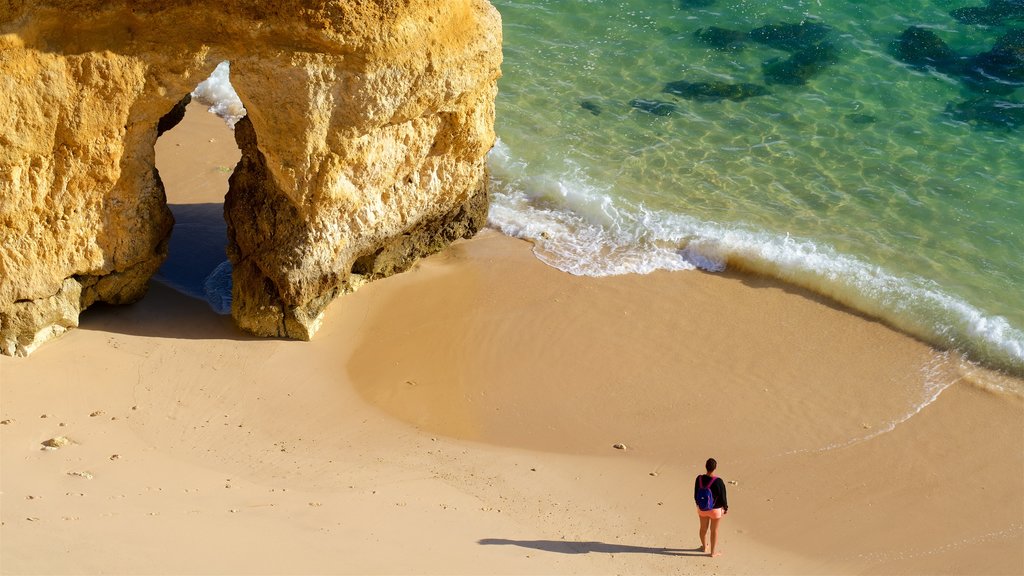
(857, 184)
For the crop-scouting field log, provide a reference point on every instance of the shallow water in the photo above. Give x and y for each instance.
(857, 184)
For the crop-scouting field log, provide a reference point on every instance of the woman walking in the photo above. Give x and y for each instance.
(709, 495)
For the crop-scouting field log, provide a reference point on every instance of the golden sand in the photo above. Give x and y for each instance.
(460, 419)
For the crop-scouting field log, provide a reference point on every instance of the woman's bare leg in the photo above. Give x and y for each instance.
(714, 536)
(704, 522)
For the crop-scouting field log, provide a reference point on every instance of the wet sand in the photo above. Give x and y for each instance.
(460, 418)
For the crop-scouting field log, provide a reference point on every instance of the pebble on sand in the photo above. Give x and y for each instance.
(55, 443)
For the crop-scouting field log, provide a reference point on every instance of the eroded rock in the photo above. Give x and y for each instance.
(363, 149)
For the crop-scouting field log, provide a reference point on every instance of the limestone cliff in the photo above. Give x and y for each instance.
(363, 148)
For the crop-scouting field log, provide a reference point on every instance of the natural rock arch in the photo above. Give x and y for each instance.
(364, 147)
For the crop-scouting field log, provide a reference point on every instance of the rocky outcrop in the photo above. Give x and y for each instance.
(363, 148)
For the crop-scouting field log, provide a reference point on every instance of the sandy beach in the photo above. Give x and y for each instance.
(460, 418)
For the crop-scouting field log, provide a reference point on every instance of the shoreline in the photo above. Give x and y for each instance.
(464, 413)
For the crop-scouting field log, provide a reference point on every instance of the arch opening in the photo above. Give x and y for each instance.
(194, 158)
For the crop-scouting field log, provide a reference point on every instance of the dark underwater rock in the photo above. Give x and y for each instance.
(1005, 60)
(921, 47)
(720, 38)
(790, 37)
(996, 72)
(858, 118)
(1012, 41)
(1004, 66)
(975, 15)
(801, 66)
(695, 3)
(999, 71)
(714, 91)
(989, 112)
(591, 106)
(994, 13)
(656, 107)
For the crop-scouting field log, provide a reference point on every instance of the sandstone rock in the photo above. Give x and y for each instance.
(364, 147)
(55, 443)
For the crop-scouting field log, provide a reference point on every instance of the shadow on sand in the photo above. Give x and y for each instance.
(196, 247)
(568, 547)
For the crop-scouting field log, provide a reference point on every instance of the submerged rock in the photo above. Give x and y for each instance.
(922, 47)
(1005, 61)
(858, 118)
(656, 107)
(996, 72)
(994, 13)
(720, 38)
(989, 112)
(801, 66)
(714, 91)
(591, 106)
(790, 37)
(696, 3)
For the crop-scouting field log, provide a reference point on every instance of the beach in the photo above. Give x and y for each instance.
(463, 417)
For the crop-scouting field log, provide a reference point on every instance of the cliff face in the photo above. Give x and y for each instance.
(363, 148)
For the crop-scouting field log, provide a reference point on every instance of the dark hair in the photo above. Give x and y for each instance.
(711, 465)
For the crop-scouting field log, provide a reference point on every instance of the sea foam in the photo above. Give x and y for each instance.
(580, 228)
(218, 93)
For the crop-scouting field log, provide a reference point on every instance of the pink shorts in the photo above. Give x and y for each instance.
(713, 513)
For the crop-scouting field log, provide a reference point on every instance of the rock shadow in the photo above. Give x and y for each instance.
(163, 313)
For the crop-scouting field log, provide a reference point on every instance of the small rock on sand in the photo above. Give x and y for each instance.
(619, 446)
(96, 413)
(86, 475)
(55, 443)
(6, 422)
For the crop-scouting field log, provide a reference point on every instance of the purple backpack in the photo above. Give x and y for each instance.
(705, 499)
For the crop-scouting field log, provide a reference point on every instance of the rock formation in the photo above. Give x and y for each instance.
(364, 147)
